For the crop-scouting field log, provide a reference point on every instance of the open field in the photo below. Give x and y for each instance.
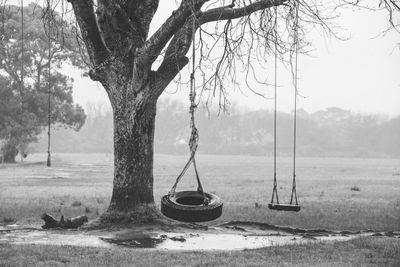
(335, 193)
(79, 183)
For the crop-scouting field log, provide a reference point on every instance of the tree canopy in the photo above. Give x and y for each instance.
(24, 103)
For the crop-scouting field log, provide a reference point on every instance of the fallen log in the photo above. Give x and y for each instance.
(69, 223)
(49, 221)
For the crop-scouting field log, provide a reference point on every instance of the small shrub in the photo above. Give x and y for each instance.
(355, 188)
(8, 220)
(76, 204)
(87, 210)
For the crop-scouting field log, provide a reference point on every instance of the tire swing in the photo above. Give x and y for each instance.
(191, 206)
(293, 204)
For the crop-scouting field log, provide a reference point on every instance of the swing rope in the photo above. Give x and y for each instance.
(295, 41)
(194, 135)
(275, 190)
(49, 87)
(22, 46)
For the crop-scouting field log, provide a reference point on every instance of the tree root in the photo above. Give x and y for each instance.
(145, 213)
(143, 216)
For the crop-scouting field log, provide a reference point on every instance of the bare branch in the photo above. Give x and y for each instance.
(175, 58)
(154, 45)
(125, 24)
(166, 73)
(225, 13)
(180, 44)
(84, 13)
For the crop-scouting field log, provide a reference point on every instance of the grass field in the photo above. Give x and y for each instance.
(357, 252)
(335, 193)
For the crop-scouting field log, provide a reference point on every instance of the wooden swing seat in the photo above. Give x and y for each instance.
(284, 207)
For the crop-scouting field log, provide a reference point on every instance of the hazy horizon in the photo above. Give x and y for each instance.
(331, 132)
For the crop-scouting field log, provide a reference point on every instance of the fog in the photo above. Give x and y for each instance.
(332, 132)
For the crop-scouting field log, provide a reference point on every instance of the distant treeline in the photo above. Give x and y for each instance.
(330, 132)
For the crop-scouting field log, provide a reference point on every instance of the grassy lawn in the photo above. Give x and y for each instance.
(357, 252)
(82, 183)
(335, 193)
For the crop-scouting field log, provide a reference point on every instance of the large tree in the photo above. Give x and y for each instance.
(123, 58)
(24, 79)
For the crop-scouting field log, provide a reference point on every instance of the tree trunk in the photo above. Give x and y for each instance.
(10, 151)
(132, 195)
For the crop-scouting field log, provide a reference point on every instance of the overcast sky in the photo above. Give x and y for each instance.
(361, 74)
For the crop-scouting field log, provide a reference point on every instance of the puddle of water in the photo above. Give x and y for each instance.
(12, 225)
(165, 241)
(236, 242)
(55, 175)
(50, 238)
(213, 240)
(62, 174)
(225, 242)
(38, 176)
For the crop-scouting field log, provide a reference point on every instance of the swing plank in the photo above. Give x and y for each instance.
(284, 207)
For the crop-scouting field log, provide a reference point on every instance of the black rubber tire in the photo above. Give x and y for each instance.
(198, 212)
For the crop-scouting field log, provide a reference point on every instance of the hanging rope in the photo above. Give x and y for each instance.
(275, 190)
(22, 47)
(296, 43)
(62, 24)
(293, 197)
(49, 85)
(194, 135)
(3, 18)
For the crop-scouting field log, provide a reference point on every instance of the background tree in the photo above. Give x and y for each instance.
(123, 58)
(24, 104)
